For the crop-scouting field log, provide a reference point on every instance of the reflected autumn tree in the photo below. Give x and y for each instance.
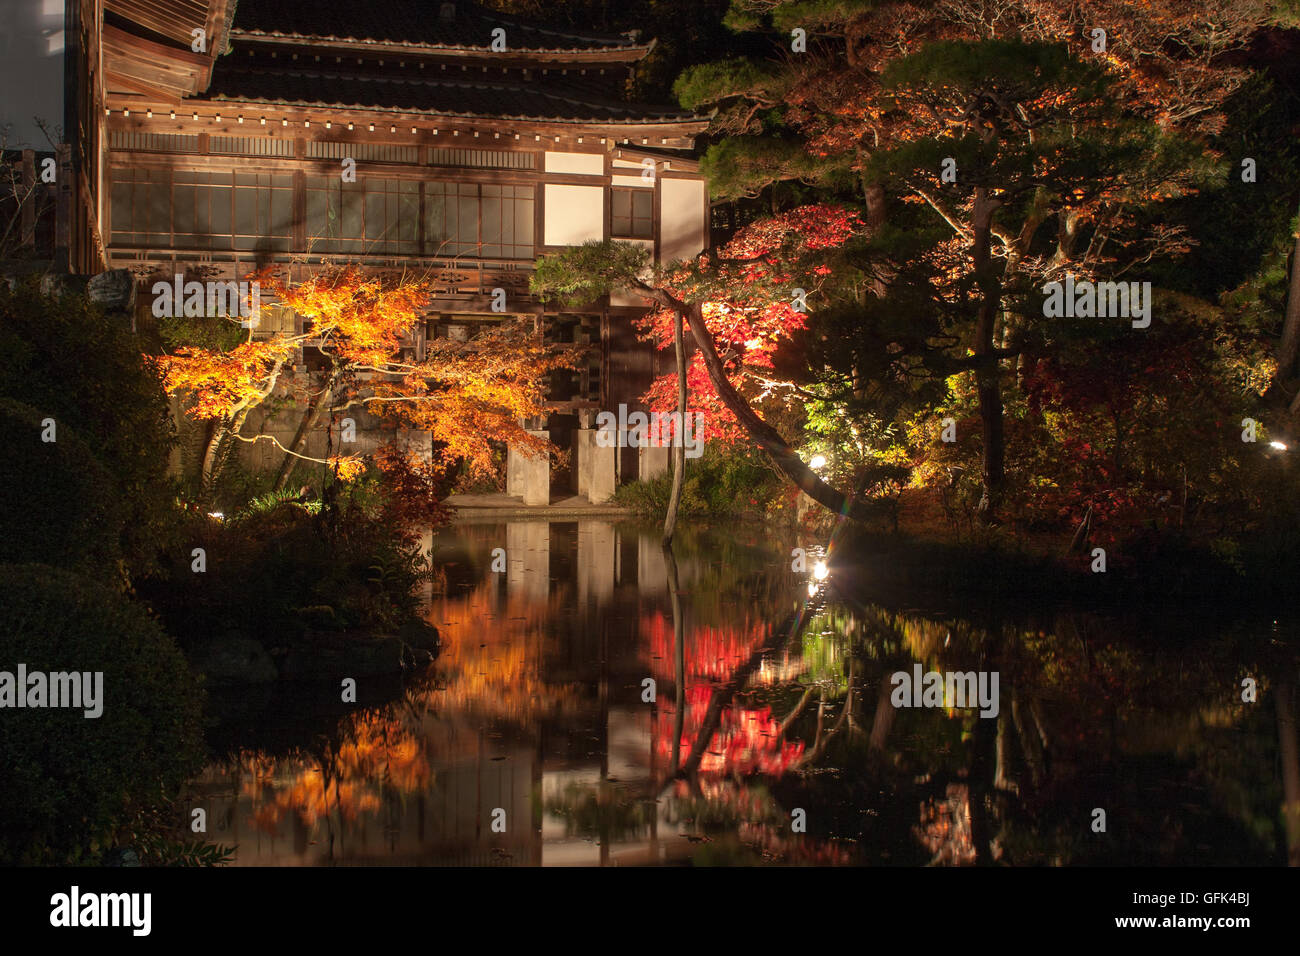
(1093, 713)
(372, 758)
(780, 706)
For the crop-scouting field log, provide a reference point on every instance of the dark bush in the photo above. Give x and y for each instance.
(67, 360)
(70, 783)
(718, 483)
(59, 506)
(277, 570)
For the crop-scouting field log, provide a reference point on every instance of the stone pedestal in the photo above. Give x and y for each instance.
(596, 476)
(655, 461)
(529, 478)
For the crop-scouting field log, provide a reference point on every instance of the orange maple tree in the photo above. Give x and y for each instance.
(467, 395)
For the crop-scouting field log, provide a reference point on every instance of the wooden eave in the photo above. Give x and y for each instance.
(394, 127)
(680, 163)
(144, 65)
(176, 19)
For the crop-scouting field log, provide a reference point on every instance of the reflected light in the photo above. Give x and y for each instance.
(1278, 445)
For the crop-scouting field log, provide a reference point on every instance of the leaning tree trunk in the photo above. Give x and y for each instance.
(679, 445)
(215, 456)
(209, 468)
(762, 434)
(218, 452)
(309, 423)
(679, 658)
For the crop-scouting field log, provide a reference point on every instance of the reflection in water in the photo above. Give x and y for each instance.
(565, 723)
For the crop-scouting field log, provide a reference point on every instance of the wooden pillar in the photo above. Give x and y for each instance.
(65, 208)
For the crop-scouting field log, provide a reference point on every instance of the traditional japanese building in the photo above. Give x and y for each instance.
(215, 137)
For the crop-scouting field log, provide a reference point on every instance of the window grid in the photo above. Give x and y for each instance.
(631, 213)
(254, 211)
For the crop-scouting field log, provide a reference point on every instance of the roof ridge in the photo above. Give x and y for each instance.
(470, 14)
(463, 83)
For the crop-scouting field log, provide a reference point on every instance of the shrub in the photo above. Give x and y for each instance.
(282, 567)
(71, 783)
(59, 505)
(717, 483)
(65, 359)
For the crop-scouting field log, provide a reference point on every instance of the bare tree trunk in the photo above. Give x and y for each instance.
(1290, 752)
(986, 373)
(679, 444)
(226, 432)
(1288, 348)
(883, 721)
(311, 419)
(679, 659)
(209, 468)
(218, 452)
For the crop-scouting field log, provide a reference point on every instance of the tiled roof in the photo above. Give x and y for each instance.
(412, 22)
(540, 98)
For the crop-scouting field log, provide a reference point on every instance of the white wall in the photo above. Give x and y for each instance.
(589, 164)
(682, 232)
(633, 181)
(574, 214)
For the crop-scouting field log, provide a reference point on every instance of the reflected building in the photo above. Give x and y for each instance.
(537, 715)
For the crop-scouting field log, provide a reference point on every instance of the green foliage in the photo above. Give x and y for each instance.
(271, 500)
(581, 274)
(710, 82)
(70, 782)
(236, 484)
(215, 333)
(1286, 12)
(716, 484)
(280, 567)
(158, 849)
(64, 358)
(60, 506)
(741, 166)
(1240, 229)
(1017, 68)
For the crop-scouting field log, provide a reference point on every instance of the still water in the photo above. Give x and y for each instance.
(579, 715)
